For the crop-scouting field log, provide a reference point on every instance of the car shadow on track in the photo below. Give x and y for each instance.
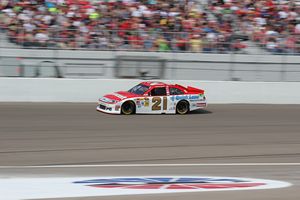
(200, 112)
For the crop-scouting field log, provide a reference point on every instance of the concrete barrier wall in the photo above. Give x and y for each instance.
(179, 66)
(89, 90)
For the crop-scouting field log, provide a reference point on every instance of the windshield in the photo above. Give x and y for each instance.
(139, 89)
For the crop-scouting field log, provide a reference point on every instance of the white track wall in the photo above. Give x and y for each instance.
(89, 90)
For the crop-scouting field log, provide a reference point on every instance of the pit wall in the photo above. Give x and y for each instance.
(89, 90)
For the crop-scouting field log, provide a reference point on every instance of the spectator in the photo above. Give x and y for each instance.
(162, 44)
(182, 43)
(196, 43)
(42, 38)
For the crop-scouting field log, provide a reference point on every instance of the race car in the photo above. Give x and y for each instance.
(153, 98)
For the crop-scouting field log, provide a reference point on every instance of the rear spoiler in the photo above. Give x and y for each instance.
(192, 89)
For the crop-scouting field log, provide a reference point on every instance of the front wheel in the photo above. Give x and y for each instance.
(182, 107)
(128, 108)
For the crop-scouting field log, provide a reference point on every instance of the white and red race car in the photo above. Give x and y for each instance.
(153, 98)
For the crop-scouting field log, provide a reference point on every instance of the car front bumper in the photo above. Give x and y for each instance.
(108, 108)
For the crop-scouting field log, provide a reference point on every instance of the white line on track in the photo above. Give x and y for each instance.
(152, 165)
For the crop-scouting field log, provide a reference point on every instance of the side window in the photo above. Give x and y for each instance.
(160, 91)
(175, 91)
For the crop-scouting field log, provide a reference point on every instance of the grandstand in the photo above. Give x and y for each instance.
(153, 25)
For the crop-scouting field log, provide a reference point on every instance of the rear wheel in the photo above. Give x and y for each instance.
(182, 107)
(128, 108)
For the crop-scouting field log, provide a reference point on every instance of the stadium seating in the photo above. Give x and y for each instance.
(153, 25)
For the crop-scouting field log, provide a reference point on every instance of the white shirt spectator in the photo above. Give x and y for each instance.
(211, 37)
(297, 28)
(128, 2)
(136, 13)
(41, 9)
(41, 37)
(23, 16)
(73, 7)
(77, 23)
(271, 45)
(271, 32)
(173, 14)
(90, 11)
(29, 13)
(83, 29)
(9, 12)
(260, 21)
(47, 19)
(142, 8)
(147, 13)
(234, 8)
(38, 17)
(218, 9)
(283, 15)
(29, 27)
(70, 14)
(163, 14)
(60, 2)
(293, 15)
(103, 41)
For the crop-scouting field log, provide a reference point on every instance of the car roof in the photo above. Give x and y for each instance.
(160, 84)
(154, 83)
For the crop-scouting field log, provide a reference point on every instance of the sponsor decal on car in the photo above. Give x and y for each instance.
(105, 100)
(146, 104)
(119, 96)
(186, 97)
(117, 107)
(142, 102)
(200, 104)
(138, 103)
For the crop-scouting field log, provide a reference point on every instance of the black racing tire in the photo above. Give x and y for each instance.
(128, 108)
(182, 107)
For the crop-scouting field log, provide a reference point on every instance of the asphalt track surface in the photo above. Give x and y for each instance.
(75, 134)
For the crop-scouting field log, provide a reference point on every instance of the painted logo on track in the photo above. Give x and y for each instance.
(67, 187)
(175, 183)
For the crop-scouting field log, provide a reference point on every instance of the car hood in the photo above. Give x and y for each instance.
(119, 96)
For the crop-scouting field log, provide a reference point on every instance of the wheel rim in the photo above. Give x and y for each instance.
(182, 108)
(127, 108)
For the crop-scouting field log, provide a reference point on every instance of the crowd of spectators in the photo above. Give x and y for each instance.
(273, 24)
(153, 25)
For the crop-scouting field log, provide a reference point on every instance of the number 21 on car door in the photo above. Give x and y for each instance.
(159, 104)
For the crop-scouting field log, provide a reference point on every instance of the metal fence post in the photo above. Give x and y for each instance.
(257, 68)
(1, 38)
(21, 67)
(231, 69)
(2, 46)
(56, 65)
(283, 67)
